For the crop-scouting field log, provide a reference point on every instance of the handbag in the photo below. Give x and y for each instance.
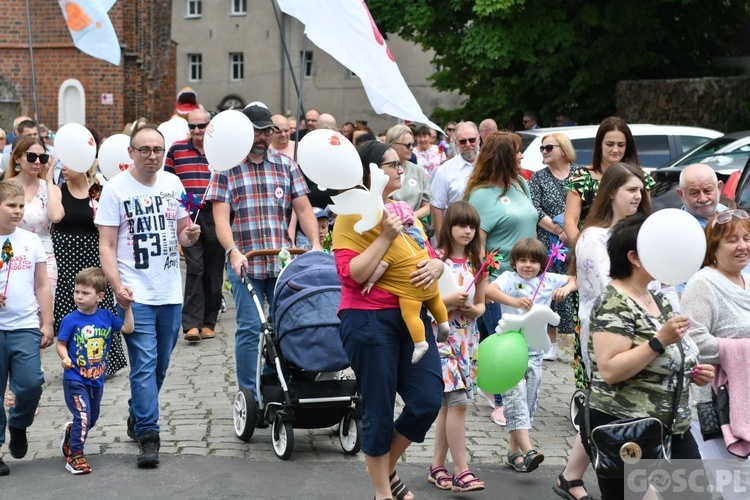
(627, 441)
(711, 414)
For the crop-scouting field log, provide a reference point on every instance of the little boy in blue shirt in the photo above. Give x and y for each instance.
(82, 343)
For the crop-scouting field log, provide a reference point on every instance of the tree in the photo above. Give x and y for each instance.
(560, 56)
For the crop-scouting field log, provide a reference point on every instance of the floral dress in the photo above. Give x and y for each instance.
(429, 160)
(548, 195)
(458, 353)
(36, 220)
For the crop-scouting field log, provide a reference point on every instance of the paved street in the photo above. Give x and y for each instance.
(202, 457)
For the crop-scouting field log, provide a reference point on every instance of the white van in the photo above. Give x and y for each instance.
(657, 144)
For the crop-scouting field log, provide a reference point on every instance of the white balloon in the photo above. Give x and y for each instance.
(113, 155)
(75, 146)
(174, 130)
(329, 159)
(448, 285)
(228, 139)
(671, 245)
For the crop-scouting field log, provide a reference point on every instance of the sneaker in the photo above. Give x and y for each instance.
(223, 305)
(77, 464)
(498, 416)
(131, 429)
(149, 455)
(489, 398)
(65, 442)
(4, 470)
(19, 444)
(550, 355)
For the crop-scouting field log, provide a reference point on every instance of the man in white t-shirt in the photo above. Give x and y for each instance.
(141, 225)
(450, 178)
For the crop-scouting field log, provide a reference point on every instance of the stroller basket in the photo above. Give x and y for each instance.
(306, 301)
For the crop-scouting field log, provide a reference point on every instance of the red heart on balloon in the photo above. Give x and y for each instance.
(334, 140)
(123, 166)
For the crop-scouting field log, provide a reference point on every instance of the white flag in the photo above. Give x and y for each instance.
(345, 30)
(91, 29)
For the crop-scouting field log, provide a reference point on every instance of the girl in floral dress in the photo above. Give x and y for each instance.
(460, 248)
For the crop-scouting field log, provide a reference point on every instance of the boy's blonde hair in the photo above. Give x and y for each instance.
(10, 189)
(530, 248)
(93, 277)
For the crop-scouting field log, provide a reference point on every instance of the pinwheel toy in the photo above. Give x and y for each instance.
(556, 253)
(492, 260)
(6, 255)
(191, 203)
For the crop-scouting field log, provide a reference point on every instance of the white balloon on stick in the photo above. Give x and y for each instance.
(228, 139)
(75, 147)
(329, 159)
(113, 155)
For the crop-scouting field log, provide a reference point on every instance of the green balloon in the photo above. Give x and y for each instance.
(501, 362)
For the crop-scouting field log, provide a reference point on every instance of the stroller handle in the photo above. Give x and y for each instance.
(273, 251)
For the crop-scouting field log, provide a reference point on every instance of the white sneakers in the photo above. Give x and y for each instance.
(550, 355)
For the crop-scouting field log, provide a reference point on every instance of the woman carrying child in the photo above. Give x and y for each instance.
(460, 247)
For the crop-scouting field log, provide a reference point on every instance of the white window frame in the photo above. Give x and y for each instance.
(238, 7)
(307, 64)
(193, 8)
(195, 67)
(236, 66)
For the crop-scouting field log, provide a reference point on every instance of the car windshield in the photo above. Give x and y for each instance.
(704, 150)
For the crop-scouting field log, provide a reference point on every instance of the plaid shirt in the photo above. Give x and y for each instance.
(261, 197)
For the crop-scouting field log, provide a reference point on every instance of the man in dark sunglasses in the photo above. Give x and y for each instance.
(450, 179)
(204, 261)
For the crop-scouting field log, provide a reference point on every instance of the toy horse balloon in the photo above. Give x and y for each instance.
(367, 204)
(532, 324)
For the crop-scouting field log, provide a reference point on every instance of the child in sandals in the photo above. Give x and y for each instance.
(514, 291)
(459, 247)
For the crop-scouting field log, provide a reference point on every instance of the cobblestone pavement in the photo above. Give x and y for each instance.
(196, 413)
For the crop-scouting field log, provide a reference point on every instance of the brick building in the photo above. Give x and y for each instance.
(74, 87)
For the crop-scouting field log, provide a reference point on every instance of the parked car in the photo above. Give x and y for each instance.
(728, 155)
(656, 144)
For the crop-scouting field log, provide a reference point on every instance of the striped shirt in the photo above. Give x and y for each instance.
(261, 197)
(187, 163)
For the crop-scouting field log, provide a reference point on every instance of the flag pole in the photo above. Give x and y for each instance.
(31, 55)
(299, 94)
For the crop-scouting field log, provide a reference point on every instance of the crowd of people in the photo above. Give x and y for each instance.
(638, 346)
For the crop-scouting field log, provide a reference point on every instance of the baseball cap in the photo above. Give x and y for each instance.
(260, 116)
(320, 213)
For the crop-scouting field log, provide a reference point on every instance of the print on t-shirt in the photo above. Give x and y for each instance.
(151, 221)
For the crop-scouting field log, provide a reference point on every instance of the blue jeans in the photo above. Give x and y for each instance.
(19, 357)
(521, 401)
(149, 350)
(248, 325)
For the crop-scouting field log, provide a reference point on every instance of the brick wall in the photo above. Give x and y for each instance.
(719, 103)
(143, 85)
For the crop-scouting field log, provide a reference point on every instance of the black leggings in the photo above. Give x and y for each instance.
(683, 447)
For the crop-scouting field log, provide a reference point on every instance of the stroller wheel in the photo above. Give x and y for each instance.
(577, 403)
(245, 409)
(350, 433)
(282, 437)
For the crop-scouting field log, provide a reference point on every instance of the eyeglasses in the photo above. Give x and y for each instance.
(395, 165)
(201, 126)
(726, 216)
(471, 140)
(407, 145)
(450, 129)
(146, 151)
(32, 157)
(266, 132)
(548, 148)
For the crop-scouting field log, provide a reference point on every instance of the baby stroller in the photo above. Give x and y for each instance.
(304, 346)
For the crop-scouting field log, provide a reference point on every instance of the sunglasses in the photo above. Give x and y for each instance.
(450, 129)
(395, 165)
(32, 157)
(407, 145)
(548, 148)
(471, 140)
(201, 126)
(726, 216)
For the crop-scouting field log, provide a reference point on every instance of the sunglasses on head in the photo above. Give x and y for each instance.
(548, 148)
(407, 145)
(726, 216)
(471, 140)
(32, 157)
(201, 126)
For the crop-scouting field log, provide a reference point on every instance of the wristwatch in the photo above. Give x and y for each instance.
(657, 346)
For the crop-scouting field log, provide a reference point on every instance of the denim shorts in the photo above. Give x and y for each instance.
(521, 401)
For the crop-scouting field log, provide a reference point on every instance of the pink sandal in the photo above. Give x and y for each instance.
(444, 482)
(462, 485)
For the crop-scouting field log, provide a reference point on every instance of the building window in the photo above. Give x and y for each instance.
(237, 66)
(195, 67)
(71, 103)
(307, 64)
(239, 7)
(194, 8)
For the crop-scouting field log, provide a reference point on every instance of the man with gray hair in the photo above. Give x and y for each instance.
(449, 181)
(700, 191)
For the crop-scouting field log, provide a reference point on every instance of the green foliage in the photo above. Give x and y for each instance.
(555, 56)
